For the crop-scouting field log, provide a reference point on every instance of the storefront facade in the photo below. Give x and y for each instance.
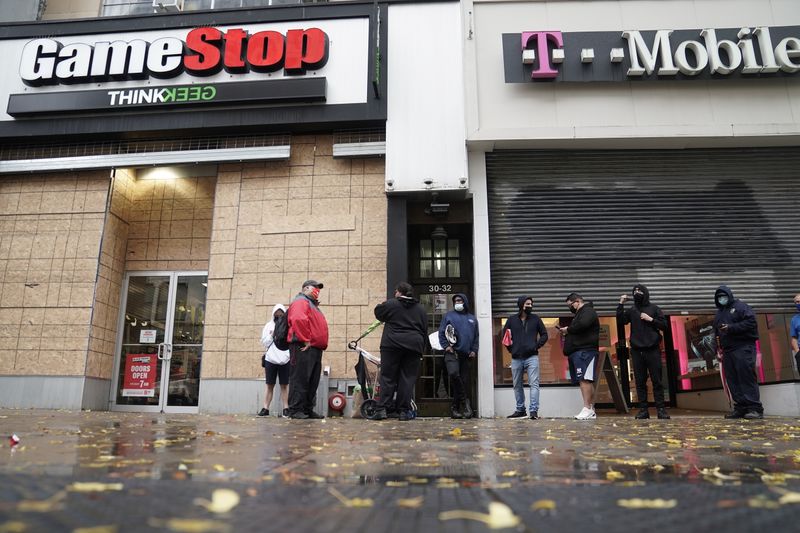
(161, 189)
(612, 143)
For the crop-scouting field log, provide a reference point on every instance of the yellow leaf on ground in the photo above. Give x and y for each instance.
(543, 505)
(222, 501)
(762, 502)
(612, 474)
(13, 526)
(97, 529)
(500, 516)
(94, 487)
(641, 503)
(351, 502)
(410, 503)
(397, 483)
(42, 506)
(456, 432)
(190, 525)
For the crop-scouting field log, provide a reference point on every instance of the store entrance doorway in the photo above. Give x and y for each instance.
(160, 344)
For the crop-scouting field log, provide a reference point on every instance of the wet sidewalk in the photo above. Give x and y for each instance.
(147, 472)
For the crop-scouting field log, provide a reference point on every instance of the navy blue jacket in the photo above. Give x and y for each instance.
(526, 336)
(742, 326)
(466, 329)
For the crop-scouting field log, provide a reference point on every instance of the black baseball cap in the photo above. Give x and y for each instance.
(313, 283)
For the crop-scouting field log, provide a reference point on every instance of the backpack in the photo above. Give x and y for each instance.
(281, 332)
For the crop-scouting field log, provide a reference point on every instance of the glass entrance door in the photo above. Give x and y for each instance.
(161, 342)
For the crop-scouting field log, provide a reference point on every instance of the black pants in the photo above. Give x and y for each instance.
(458, 370)
(304, 373)
(648, 361)
(399, 372)
(739, 365)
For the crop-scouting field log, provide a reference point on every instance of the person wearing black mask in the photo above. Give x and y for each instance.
(405, 331)
(736, 329)
(794, 332)
(582, 346)
(647, 322)
(528, 334)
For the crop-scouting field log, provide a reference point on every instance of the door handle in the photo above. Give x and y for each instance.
(160, 352)
(167, 352)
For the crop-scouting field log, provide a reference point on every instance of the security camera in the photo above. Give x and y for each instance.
(428, 183)
(462, 182)
(389, 183)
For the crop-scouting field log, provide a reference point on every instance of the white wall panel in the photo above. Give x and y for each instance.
(425, 125)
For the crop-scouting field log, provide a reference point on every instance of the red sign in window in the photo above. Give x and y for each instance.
(140, 375)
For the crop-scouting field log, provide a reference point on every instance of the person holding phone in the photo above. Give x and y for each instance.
(647, 322)
(528, 334)
(737, 330)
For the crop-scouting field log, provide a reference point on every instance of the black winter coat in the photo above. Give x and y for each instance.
(584, 332)
(643, 334)
(405, 324)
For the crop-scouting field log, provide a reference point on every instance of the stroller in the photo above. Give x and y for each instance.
(368, 370)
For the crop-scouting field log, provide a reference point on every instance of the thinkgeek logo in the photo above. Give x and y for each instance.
(165, 95)
(205, 52)
(633, 54)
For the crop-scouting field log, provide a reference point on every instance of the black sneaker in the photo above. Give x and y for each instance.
(643, 414)
(534, 415)
(455, 412)
(380, 414)
(315, 415)
(467, 409)
(404, 416)
(263, 412)
(392, 414)
(753, 415)
(285, 413)
(518, 414)
(734, 415)
(662, 414)
(299, 416)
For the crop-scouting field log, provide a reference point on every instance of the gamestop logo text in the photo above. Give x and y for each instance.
(205, 52)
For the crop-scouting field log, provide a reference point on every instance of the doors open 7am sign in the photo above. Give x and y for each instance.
(140, 375)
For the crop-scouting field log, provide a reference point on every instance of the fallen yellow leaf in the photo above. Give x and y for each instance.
(190, 525)
(94, 487)
(543, 505)
(222, 501)
(641, 503)
(397, 483)
(500, 516)
(13, 526)
(456, 432)
(410, 503)
(97, 529)
(42, 506)
(612, 474)
(351, 502)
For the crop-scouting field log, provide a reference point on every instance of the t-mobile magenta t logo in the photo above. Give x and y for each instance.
(545, 68)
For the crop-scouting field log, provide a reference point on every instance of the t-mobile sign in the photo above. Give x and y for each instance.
(552, 55)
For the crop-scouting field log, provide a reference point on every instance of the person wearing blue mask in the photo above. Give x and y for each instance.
(736, 329)
(794, 332)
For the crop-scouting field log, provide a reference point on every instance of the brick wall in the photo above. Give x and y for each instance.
(277, 224)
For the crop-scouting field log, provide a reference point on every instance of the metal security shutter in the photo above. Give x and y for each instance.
(681, 222)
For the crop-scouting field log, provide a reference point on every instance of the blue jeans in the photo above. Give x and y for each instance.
(531, 366)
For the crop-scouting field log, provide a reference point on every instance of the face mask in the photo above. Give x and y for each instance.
(638, 297)
(573, 310)
(459, 307)
(797, 306)
(723, 300)
(314, 293)
(528, 310)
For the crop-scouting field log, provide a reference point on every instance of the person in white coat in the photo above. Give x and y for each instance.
(276, 365)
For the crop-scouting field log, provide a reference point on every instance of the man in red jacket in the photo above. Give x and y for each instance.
(308, 338)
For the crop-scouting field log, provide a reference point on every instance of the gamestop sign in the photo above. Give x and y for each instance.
(322, 62)
(729, 53)
(204, 52)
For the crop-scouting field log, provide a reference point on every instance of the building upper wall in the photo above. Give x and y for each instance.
(676, 112)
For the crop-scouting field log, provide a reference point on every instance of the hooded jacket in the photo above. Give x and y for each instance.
(584, 331)
(527, 336)
(466, 328)
(742, 326)
(405, 324)
(307, 323)
(644, 335)
(273, 354)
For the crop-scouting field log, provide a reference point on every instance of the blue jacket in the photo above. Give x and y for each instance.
(466, 327)
(742, 326)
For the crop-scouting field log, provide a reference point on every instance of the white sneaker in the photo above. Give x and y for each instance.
(586, 414)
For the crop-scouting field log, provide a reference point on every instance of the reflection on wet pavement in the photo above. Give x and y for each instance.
(548, 472)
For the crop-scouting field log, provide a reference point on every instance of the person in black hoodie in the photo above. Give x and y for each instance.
(736, 332)
(647, 322)
(458, 354)
(405, 331)
(582, 346)
(528, 334)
